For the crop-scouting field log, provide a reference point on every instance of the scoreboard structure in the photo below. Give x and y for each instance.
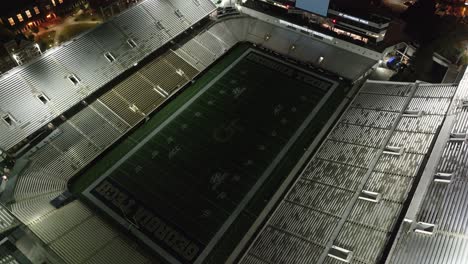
(319, 7)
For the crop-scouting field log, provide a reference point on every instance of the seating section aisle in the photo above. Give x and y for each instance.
(82, 137)
(346, 202)
(73, 145)
(63, 77)
(437, 232)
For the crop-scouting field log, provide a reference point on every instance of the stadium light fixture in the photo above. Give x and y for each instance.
(131, 43)
(320, 60)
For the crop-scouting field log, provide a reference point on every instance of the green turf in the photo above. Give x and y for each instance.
(248, 216)
(197, 169)
(90, 175)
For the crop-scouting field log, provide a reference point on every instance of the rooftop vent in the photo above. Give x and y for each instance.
(458, 137)
(44, 99)
(393, 150)
(412, 113)
(443, 177)
(178, 13)
(74, 79)
(134, 108)
(340, 254)
(424, 228)
(131, 43)
(109, 56)
(464, 103)
(370, 196)
(8, 119)
(159, 25)
(160, 91)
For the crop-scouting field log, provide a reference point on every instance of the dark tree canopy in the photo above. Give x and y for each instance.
(5, 34)
(420, 20)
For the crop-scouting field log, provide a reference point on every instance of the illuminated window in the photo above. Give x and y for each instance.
(53, 2)
(36, 10)
(20, 17)
(28, 13)
(11, 21)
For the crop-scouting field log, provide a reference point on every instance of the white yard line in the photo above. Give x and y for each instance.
(246, 198)
(272, 165)
(121, 220)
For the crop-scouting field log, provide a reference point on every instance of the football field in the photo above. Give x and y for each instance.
(183, 185)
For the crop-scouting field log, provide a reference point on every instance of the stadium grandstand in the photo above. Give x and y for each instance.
(178, 132)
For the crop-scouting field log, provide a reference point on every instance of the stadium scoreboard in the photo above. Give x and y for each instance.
(319, 7)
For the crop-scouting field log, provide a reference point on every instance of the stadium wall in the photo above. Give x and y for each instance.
(374, 55)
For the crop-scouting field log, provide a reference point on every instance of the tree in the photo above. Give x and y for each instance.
(5, 34)
(420, 20)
